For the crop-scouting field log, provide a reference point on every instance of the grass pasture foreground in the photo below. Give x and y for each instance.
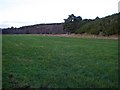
(59, 62)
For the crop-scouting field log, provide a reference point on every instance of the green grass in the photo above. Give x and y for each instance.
(59, 62)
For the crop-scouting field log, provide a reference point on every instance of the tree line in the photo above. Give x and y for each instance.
(108, 25)
(105, 26)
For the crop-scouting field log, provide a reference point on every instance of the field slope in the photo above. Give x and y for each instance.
(60, 62)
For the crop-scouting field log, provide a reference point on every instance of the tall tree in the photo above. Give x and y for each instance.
(71, 23)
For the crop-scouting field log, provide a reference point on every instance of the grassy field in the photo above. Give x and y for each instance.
(59, 62)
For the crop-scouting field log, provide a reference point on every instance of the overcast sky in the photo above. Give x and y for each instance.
(27, 12)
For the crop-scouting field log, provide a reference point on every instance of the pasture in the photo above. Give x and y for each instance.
(59, 62)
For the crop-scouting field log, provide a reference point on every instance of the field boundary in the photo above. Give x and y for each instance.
(82, 36)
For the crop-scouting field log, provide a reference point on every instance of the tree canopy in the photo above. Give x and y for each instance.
(99, 26)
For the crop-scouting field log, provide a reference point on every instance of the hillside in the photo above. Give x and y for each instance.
(53, 28)
(99, 26)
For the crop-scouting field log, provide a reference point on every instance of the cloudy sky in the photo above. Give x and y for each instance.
(27, 12)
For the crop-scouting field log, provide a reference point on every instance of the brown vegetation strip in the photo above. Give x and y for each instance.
(83, 36)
